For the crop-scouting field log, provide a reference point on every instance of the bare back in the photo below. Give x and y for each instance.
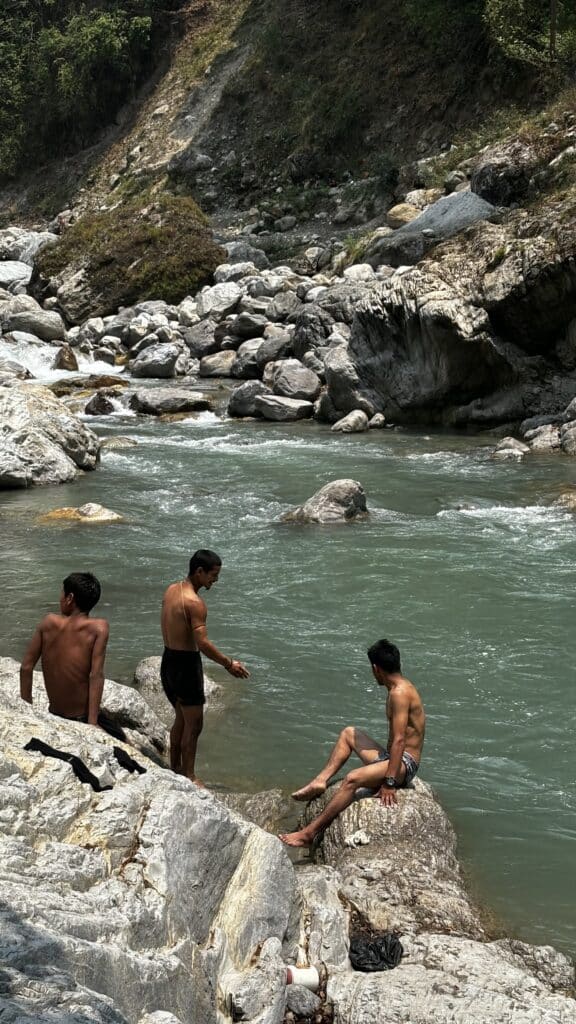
(68, 648)
(183, 611)
(404, 709)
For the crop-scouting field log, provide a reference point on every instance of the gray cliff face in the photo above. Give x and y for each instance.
(477, 333)
(152, 902)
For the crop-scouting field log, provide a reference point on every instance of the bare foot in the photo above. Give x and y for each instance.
(302, 838)
(197, 782)
(310, 792)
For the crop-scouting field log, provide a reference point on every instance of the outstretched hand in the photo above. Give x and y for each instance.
(237, 669)
(387, 796)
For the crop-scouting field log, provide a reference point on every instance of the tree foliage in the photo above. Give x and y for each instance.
(534, 31)
(66, 68)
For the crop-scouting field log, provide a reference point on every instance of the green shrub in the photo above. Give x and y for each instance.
(161, 250)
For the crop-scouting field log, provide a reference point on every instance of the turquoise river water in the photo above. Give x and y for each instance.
(463, 562)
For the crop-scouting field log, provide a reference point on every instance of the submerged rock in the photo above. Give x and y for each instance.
(92, 512)
(338, 501)
(354, 423)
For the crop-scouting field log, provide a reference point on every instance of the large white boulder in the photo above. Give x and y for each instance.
(41, 442)
(149, 901)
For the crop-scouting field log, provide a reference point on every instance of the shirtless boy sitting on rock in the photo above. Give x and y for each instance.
(72, 647)
(385, 770)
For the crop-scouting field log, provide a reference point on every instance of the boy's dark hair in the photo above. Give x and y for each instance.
(385, 655)
(84, 588)
(203, 559)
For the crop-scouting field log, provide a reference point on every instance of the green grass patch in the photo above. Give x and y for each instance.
(152, 247)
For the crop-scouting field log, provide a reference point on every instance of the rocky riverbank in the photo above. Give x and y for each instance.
(151, 902)
(356, 348)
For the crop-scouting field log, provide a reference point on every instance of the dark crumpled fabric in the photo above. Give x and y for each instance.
(380, 953)
(78, 767)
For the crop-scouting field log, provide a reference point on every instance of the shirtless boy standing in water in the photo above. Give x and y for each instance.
(184, 632)
(72, 647)
(385, 770)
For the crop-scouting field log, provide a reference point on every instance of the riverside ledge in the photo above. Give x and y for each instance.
(153, 903)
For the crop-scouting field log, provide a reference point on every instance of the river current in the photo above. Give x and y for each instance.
(462, 562)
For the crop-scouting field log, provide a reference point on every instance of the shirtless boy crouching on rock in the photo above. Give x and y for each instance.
(385, 770)
(72, 647)
(184, 615)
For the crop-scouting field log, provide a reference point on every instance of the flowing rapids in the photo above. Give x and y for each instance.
(463, 562)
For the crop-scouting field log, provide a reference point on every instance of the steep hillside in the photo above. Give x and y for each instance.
(282, 89)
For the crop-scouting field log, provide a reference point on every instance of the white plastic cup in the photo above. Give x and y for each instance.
(306, 976)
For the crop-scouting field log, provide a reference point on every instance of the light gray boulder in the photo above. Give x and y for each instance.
(245, 366)
(219, 300)
(218, 365)
(125, 707)
(275, 346)
(290, 378)
(354, 423)
(21, 244)
(284, 306)
(447, 978)
(283, 410)
(150, 899)
(337, 502)
(156, 361)
(510, 448)
(250, 325)
(345, 392)
(11, 370)
(443, 219)
(359, 272)
(312, 327)
(543, 439)
(162, 401)
(233, 272)
(377, 421)
(241, 251)
(45, 324)
(14, 272)
(243, 399)
(568, 438)
(41, 442)
(503, 173)
(201, 339)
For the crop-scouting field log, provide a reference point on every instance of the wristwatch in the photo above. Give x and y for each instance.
(390, 782)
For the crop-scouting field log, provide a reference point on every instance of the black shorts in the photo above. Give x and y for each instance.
(182, 677)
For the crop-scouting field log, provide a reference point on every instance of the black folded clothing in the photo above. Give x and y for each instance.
(379, 953)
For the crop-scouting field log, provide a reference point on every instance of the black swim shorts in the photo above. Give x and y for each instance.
(182, 677)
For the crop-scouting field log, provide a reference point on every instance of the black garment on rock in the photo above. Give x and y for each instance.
(380, 953)
(127, 762)
(78, 767)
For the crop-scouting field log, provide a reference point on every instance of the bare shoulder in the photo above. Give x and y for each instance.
(49, 622)
(100, 627)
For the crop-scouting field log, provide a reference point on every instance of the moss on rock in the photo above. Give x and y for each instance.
(157, 247)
